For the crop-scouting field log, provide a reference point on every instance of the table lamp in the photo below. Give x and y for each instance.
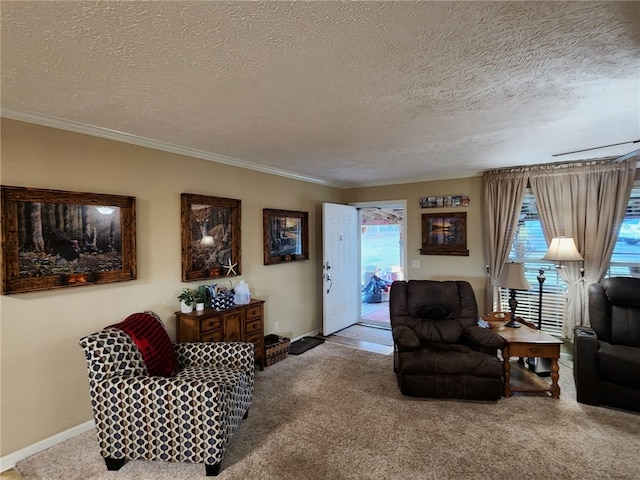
(512, 277)
(563, 249)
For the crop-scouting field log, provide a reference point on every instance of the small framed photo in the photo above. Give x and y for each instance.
(428, 202)
(210, 237)
(55, 239)
(286, 236)
(445, 201)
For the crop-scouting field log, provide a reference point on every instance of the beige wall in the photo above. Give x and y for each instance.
(437, 267)
(44, 381)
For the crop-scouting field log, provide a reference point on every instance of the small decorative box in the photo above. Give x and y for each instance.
(223, 300)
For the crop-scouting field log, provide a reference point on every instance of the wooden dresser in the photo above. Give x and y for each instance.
(241, 323)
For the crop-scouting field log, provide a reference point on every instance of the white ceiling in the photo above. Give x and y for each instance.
(343, 93)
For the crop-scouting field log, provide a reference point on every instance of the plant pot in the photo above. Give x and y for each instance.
(199, 307)
(184, 308)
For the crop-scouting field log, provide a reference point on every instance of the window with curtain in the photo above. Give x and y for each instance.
(625, 261)
(529, 247)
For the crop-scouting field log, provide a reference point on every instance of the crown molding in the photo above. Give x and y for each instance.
(405, 181)
(85, 129)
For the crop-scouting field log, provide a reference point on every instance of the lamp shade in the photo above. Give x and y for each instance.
(512, 276)
(563, 249)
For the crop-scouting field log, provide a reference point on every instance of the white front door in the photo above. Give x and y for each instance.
(340, 267)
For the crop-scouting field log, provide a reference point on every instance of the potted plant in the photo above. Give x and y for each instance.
(186, 298)
(199, 299)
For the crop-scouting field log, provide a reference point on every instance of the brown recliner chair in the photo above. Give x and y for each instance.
(606, 356)
(439, 350)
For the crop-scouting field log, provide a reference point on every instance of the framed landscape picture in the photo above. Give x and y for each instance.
(210, 237)
(444, 234)
(286, 236)
(54, 239)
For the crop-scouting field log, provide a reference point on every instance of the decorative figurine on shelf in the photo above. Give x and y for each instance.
(231, 268)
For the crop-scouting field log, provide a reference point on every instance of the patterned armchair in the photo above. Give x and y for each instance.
(156, 400)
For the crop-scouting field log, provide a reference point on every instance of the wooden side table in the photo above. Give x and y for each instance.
(528, 342)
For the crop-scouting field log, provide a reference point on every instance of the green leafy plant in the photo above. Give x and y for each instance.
(187, 296)
(198, 297)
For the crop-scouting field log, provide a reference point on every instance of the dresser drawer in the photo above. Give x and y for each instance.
(528, 350)
(212, 336)
(253, 312)
(207, 324)
(254, 326)
(258, 340)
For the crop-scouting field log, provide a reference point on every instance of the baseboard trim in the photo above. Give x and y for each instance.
(9, 461)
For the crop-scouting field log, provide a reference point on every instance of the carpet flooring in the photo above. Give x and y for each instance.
(336, 413)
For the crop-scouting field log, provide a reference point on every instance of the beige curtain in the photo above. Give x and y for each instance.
(503, 194)
(586, 201)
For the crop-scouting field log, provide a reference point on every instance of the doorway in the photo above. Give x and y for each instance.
(382, 258)
(379, 258)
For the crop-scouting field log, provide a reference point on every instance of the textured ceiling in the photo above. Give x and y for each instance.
(353, 93)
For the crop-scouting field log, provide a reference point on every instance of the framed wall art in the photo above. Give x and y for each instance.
(444, 234)
(210, 237)
(286, 236)
(54, 239)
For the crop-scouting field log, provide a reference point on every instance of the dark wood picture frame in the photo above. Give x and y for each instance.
(54, 239)
(286, 236)
(210, 237)
(444, 234)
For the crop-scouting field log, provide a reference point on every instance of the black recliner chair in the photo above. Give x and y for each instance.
(439, 351)
(606, 356)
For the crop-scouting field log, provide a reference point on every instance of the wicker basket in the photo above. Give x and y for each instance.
(276, 349)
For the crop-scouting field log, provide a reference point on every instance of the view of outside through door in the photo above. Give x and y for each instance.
(381, 260)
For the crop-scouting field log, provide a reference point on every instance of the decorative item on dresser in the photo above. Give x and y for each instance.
(240, 323)
(186, 298)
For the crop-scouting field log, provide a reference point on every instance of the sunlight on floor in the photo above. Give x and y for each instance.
(10, 475)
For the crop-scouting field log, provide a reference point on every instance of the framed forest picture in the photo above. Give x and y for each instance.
(286, 236)
(55, 239)
(210, 237)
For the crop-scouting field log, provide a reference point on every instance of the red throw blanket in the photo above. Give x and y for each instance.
(149, 335)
